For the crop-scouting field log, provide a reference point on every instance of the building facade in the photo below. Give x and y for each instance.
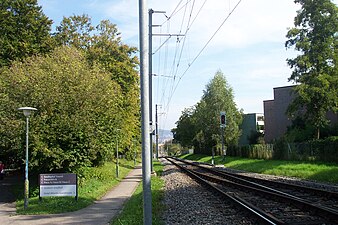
(276, 119)
(252, 123)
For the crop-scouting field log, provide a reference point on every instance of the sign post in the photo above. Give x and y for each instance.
(58, 184)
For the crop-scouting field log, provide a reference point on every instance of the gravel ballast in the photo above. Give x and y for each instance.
(187, 202)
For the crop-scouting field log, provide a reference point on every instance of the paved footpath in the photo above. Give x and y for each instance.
(101, 212)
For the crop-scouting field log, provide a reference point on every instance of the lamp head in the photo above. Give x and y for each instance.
(27, 110)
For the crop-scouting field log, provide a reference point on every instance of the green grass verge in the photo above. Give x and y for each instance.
(317, 171)
(98, 182)
(132, 213)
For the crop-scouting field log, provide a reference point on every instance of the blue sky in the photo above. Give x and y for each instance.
(248, 48)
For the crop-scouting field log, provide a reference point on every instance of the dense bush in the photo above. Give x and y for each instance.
(257, 151)
(323, 150)
(320, 150)
(77, 117)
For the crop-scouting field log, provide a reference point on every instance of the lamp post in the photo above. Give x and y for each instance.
(134, 146)
(27, 112)
(117, 153)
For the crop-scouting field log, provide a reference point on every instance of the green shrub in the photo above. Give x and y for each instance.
(77, 111)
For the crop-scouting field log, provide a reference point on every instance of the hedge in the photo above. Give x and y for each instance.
(317, 150)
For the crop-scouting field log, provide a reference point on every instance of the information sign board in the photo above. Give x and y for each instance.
(58, 184)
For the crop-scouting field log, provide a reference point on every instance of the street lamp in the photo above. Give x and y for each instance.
(27, 112)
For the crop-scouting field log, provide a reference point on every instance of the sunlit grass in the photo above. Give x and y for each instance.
(318, 171)
(132, 213)
(96, 186)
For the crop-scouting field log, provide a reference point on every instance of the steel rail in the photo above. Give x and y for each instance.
(332, 214)
(258, 213)
(318, 191)
(244, 179)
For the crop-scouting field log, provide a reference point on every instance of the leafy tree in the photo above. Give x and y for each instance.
(218, 97)
(202, 122)
(299, 130)
(75, 31)
(78, 111)
(315, 36)
(185, 126)
(24, 30)
(102, 45)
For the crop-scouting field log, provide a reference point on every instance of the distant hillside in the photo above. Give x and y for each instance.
(164, 135)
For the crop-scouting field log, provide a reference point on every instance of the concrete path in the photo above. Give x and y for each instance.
(101, 212)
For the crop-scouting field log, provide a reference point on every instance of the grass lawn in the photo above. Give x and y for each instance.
(132, 213)
(97, 183)
(318, 171)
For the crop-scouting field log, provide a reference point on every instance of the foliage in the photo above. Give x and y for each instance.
(89, 93)
(172, 148)
(256, 137)
(93, 185)
(316, 150)
(24, 30)
(102, 46)
(315, 36)
(185, 127)
(200, 125)
(318, 171)
(77, 111)
(255, 151)
(299, 131)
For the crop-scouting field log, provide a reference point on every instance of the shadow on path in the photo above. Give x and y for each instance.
(6, 185)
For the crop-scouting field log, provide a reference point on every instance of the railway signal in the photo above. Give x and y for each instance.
(223, 119)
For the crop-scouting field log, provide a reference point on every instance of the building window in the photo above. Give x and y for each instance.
(260, 118)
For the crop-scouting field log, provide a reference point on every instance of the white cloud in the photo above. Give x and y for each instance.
(251, 23)
(248, 48)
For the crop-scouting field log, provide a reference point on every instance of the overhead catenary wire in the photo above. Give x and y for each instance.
(176, 10)
(184, 38)
(207, 43)
(169, 86)
(177, 64)
(189, 25)
(165, 102)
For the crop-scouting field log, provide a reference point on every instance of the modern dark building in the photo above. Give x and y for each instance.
(276, 119)
(252, 122)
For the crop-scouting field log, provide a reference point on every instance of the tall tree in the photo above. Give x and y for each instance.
(24, 30)
(78, 111)
(315, 68)
(75, 31)
(102, 45)
(218, 97)
(201, 124)
(185, 128)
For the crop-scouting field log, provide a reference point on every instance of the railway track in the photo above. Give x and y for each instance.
(270, 202)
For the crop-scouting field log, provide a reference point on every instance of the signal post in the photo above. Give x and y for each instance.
(223, 125)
